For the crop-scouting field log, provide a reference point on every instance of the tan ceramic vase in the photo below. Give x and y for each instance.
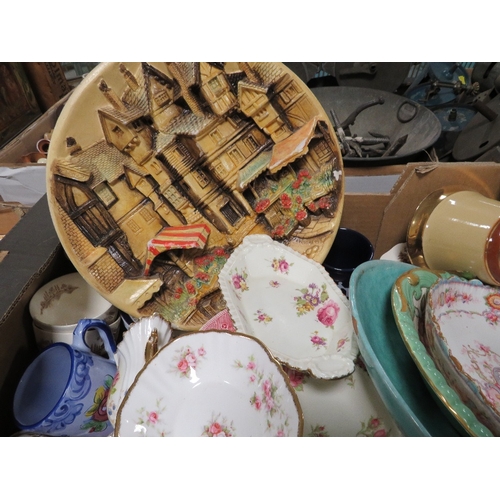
(457, 231)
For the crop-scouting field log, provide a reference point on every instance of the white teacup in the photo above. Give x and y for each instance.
(58, 306)
(62, 302)
(44, 338)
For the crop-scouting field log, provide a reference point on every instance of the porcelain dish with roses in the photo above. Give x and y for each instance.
(461, 332)
(409, 297)
(290, 303)
(213, 384)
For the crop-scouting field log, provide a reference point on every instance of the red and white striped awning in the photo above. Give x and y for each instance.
(170, 238)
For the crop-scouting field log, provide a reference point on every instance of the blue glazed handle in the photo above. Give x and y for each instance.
(104, 332)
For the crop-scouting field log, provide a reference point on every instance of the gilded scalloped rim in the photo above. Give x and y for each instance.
(405, 288)
(272, 360)
(464, 379)
(305, 364)
(130, 355)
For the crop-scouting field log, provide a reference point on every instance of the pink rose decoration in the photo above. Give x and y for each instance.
(284, 266)
(182, 365)
(296, 378)
(215, 428)
(153, 417)
(191, 359)
(237, 281)
(328, 312)
(269, 403)
(267, 387)
(316, 339)
(257, 403)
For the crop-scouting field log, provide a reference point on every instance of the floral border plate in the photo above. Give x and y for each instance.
(290, 303)
(409, 297)
(211, 383)
(394, 374)
(157, 171)
(461, 334)
(348, 407)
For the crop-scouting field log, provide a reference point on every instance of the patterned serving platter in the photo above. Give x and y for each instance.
(213, 384)
(409, 298)
(461, 332)
(157, 171)
(291, 304)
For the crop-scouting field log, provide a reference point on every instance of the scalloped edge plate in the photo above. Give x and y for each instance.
(290, 303)
(408, 298)
(211, 383)
(461, 334)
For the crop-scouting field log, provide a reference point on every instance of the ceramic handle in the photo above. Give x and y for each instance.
(104, 332)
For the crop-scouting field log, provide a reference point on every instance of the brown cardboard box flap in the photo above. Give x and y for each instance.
(10, 215)
(420, 180)
(364, 211)
(26, 141)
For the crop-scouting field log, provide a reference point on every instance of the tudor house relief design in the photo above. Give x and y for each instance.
(232, 148)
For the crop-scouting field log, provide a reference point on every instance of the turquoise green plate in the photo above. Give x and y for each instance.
(409, 295)
(390, 365)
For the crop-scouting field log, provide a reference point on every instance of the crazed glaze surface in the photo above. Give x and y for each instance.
(290, 303)
(214, 384)
(409, 297)
(462, 331)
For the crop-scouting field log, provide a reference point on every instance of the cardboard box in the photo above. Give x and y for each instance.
(21, 192)
(363, 205)
(10, 215)
(26, 141)
(33, 255)
(384, 217)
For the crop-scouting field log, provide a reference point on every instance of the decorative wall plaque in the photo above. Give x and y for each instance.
(157, 171)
